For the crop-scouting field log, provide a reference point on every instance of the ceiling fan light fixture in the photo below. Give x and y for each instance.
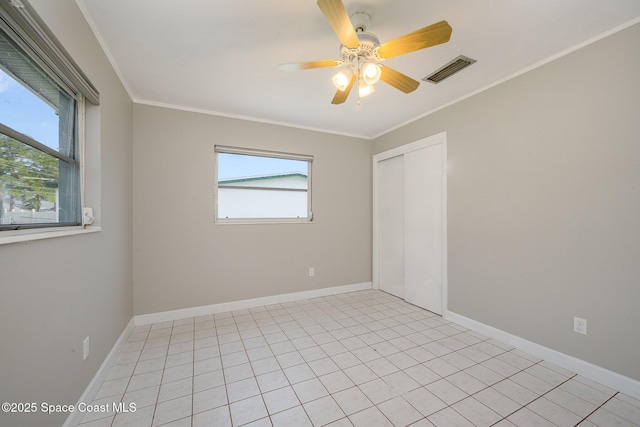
(341, 79)
(371, 73)
(365, 89)
(362, 53)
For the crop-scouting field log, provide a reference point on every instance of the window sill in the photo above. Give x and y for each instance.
(29, 235)
(228, 221)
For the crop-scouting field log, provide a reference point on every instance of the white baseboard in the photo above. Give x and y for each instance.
(75, 417)
(608, 378)
(146, 319)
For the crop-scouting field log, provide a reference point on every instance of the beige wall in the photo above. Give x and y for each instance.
(544, 174)
(181, 259)
(544, 202)
(56, 292)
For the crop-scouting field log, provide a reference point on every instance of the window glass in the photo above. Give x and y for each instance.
(262, 186)
(29, 182)
(39, 171)
(27, 113)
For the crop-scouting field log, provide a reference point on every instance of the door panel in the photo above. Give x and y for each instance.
(391, 226)
(423, 267)
(410, 236)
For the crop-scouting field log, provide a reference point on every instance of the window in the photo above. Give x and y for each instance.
(42, 96)
(262, 186)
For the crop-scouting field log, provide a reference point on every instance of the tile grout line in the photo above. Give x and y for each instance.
(598, 408)
(193, 372)
(155, 409)
(539, 397)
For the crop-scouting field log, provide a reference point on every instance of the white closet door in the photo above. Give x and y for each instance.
(423, 229)
(391, 223)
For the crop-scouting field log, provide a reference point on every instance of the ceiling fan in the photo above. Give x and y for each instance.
(362, 53)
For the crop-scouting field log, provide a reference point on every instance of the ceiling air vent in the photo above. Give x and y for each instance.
(449, 69)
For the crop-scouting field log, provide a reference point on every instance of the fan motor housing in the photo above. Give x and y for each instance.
(368, 48)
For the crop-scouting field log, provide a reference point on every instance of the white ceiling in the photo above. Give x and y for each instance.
(222, 56)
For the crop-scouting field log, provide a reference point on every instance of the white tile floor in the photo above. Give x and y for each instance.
(361, 359)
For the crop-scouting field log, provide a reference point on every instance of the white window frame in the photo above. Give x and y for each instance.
(21, 23)
(263, 153)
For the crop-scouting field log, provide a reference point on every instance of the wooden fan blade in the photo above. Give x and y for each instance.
(342, 95)
(296, 66)
(398, 80)
(337, 16)
(426, 37)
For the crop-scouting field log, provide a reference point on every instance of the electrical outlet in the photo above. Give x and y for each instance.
(580, 325)
(85, 348)
(312, 272)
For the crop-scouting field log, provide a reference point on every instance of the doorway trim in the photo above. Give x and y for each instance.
(440, 138)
